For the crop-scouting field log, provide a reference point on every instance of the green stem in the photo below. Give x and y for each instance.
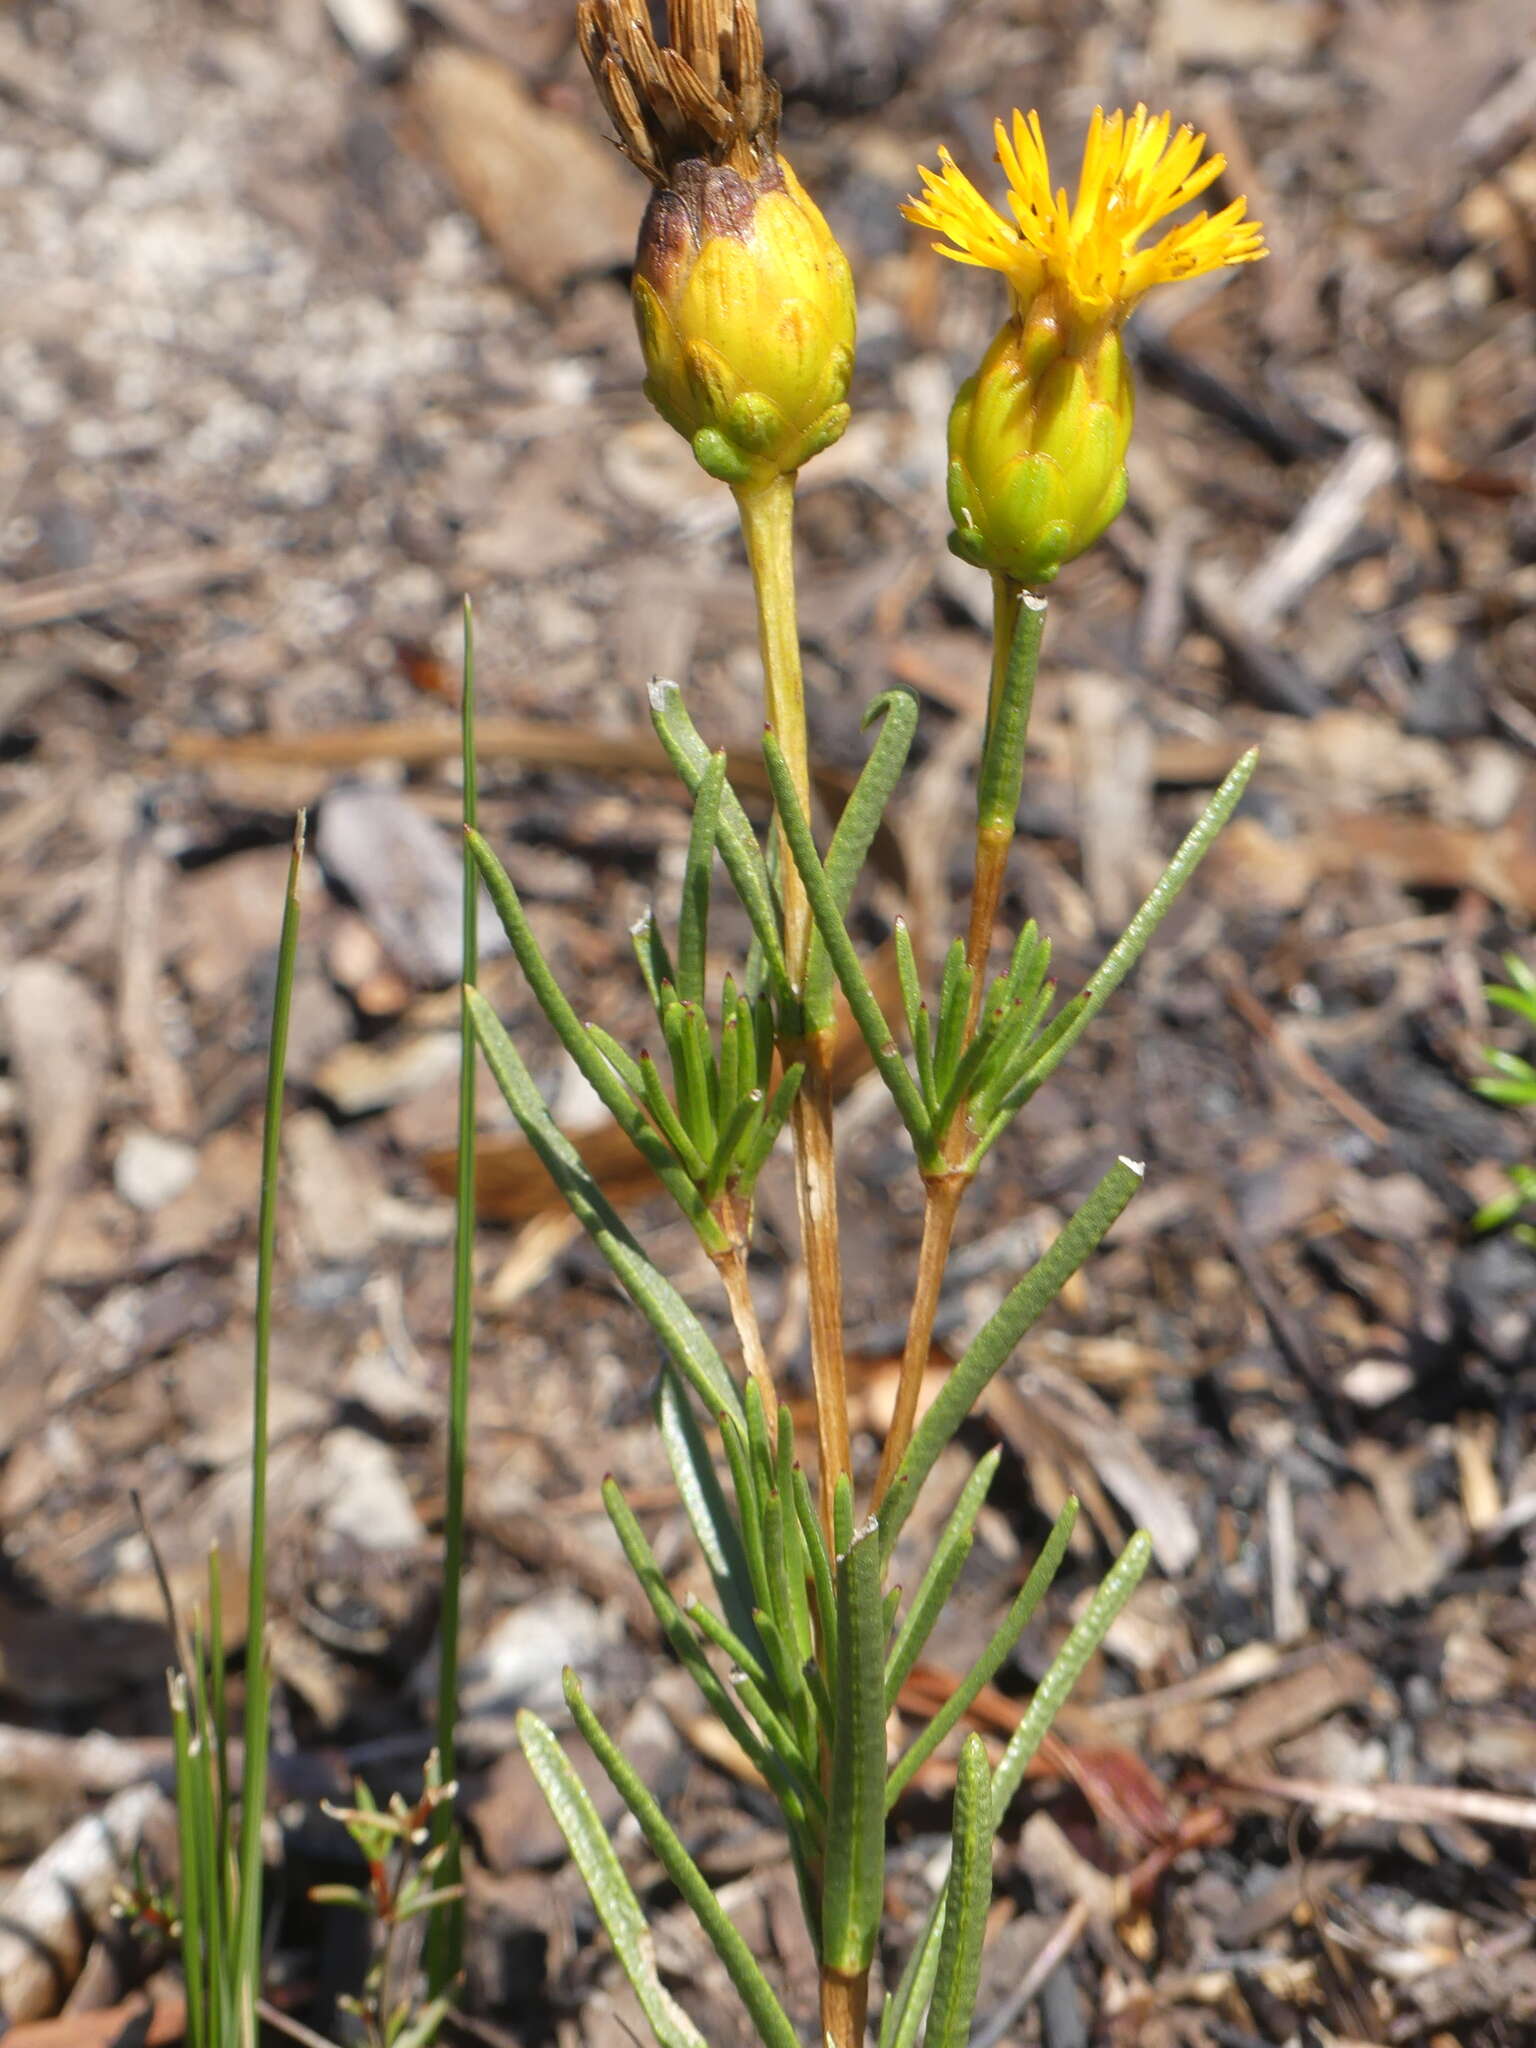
(258, 1676)
(446, 1935)
(767, 526)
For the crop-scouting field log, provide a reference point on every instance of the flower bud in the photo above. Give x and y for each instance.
(1037, 442)
(743, 299)
(746, 314)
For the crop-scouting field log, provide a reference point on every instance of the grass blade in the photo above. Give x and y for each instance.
(245, 1986)
(445, 1934)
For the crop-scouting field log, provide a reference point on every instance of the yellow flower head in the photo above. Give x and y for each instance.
(1136, 171)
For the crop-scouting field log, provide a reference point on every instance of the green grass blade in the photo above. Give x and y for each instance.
(855, 1867)
(970, 1896)
(445, 1933)
(681, 1334)
(752, 1986)
(1050, 1696)
(995, 1341)
(944, 1567)
(247, 1962)
(617, 1907)
(990, 1662)
(197, 1854)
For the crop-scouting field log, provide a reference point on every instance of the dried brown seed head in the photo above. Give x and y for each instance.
(702, 95)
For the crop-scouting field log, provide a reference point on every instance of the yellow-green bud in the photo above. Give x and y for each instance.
(746, 313)
(1037, 443)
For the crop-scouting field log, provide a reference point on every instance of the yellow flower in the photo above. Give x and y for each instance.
(1037, 437)
(1136, 171)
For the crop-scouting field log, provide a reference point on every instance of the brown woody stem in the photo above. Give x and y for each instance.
(942, 1195)
(732, 1268)
(844, 2007)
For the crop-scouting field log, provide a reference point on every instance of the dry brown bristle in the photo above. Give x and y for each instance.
(703, 94)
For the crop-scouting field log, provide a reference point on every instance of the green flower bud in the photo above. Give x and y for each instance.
(1037, 442)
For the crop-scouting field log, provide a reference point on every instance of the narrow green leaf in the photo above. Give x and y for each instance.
(995, 1341)
(1051, 1693)
(698, 1483)
(1002, 763)
(902, 2020)
(944, 1567)
(724, 1637)
(752, 1987)
(699, 1055)
(738, 1455)
(990, 1662)
(739, 850)
(698, 874)
(1128, 948)
(855, 1867)
(757, 1444)
(594, 1068)
(795, 1561)
(732, 1084)
(1030, 964)
(623, 1063)
(681, 1333)
(674, 1624)
(855, 831)
(842, 1516)
(617, 1907)
(651, 952)
(654, 1095)
(970, 1896)
(862, 1000)
(919, 1032)
(755, 1153)
(815, 1542)
(736, 1136)
(954, 999)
